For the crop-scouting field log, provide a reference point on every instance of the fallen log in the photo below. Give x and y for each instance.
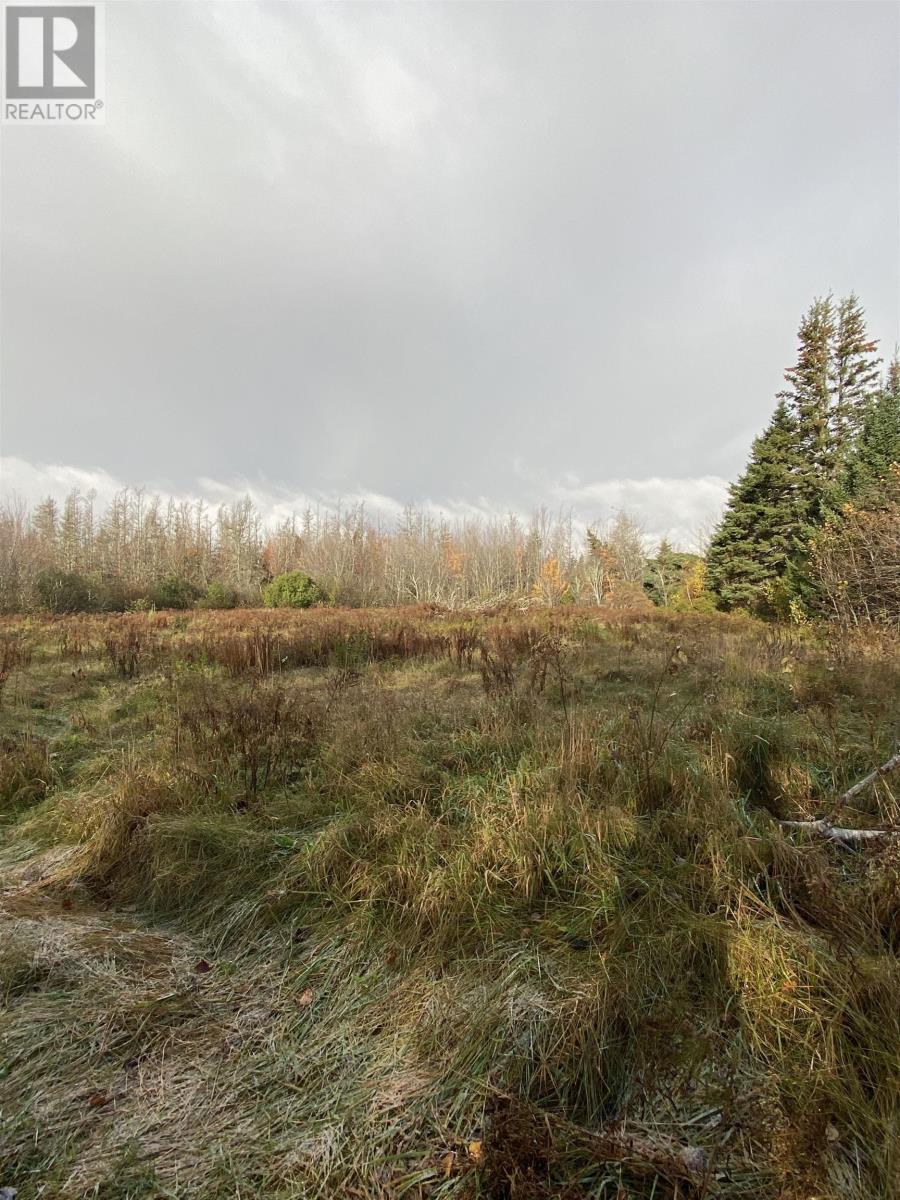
(839, 834)
(836, 833)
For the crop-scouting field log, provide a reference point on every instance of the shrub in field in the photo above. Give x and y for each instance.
(255, 736)
(855, 560)
(218, 595)
(63, 592)
(293, 589)
(108, 595)
(174, 592)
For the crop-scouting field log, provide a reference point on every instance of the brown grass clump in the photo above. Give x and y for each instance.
(15, 653)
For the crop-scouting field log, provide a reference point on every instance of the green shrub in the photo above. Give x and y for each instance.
(218, 595)
(108, 595)
(63, 592)
(293, 589)
(174, 592)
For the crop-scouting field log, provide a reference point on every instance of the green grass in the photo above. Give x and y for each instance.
(391, 904)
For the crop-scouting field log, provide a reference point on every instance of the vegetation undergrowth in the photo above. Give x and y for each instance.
(399, 903)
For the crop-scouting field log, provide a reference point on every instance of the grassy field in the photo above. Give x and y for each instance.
(405, 904)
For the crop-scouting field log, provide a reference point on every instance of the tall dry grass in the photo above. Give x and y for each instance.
(402, 904)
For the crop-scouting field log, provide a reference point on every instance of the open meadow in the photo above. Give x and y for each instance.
(409, 903)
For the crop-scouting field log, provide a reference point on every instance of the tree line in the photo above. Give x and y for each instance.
(812, 526)
(141, 551)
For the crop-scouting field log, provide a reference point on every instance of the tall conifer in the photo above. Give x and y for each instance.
(808, 397)
(758, 535)
(853, 374)
(832, 435)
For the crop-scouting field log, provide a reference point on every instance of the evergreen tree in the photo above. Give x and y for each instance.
(808, 397)
(853, 374)
(663, 574)
(877, 446)
(830, 398)
(758, 536)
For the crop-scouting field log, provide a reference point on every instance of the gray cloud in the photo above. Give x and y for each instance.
(441, 251)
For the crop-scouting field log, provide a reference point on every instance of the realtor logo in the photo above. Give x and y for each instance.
(52, 57)
(50, 53)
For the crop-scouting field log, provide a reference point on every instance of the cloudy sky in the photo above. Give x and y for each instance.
(483, 256)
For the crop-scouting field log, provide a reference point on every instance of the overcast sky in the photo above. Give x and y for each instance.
(470, 254)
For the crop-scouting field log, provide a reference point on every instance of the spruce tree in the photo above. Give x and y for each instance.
(808, 398)
(758, 535)
(663, 573)
(832, 435)
(877, 446)
(853, 374)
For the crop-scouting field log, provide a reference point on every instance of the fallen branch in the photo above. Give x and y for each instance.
(890, 765)
(846, 837)
(850, 837)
